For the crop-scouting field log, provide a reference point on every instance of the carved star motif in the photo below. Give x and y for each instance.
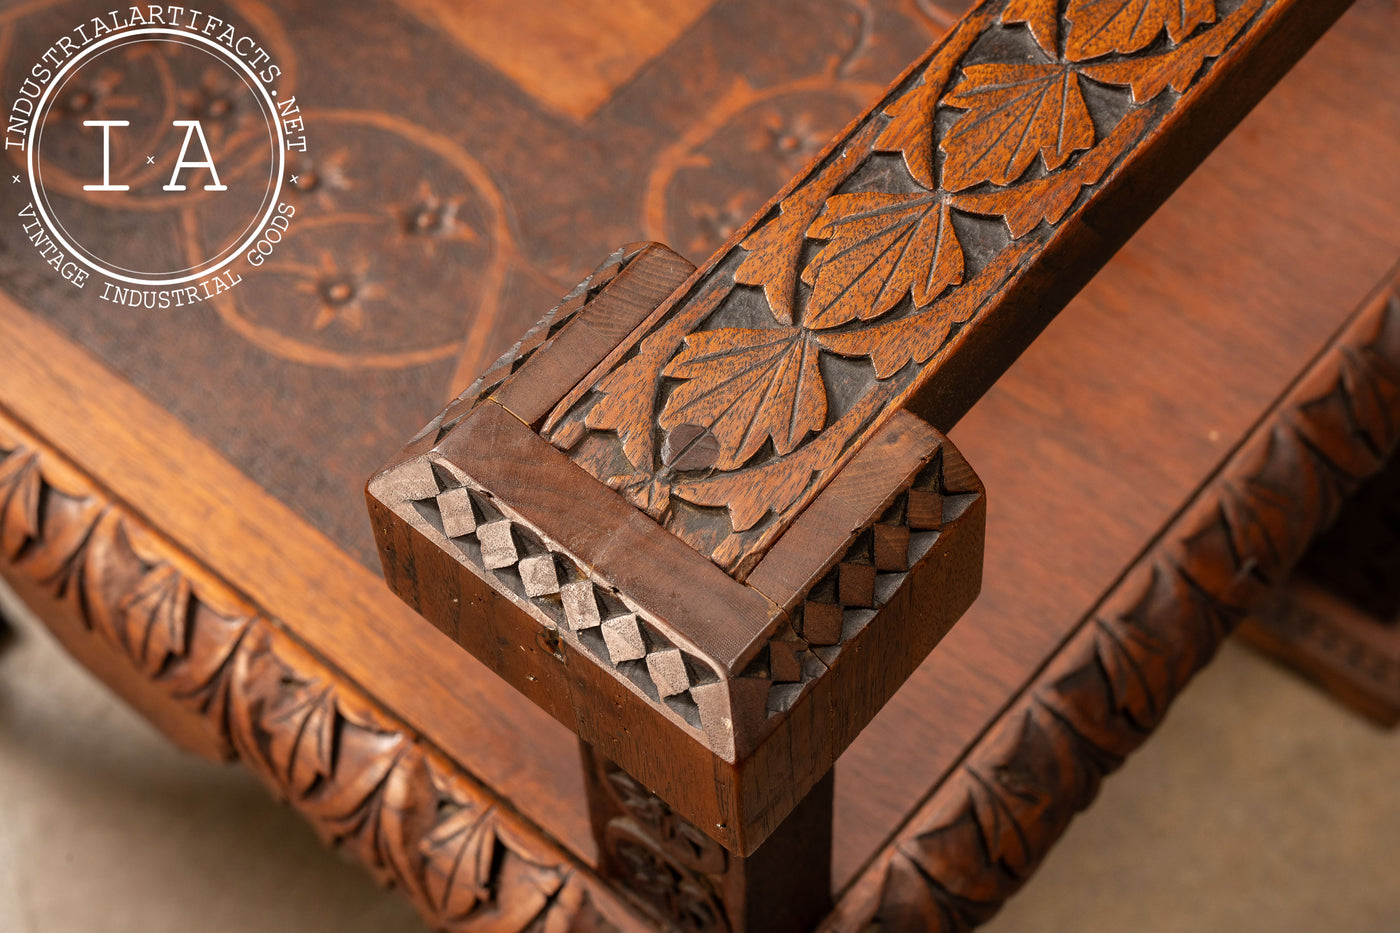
(320, 182)
(341, 292)
(432, 220)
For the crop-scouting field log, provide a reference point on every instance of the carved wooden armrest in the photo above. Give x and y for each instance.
(706, 518)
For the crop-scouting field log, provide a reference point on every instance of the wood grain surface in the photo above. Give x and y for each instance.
(989, 824)
(708, 691)
(1092, 441)
(146, 460)
(224, 680)
(441, 209)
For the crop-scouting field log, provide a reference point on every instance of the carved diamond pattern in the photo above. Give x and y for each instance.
(600, 622)
(581, 609)
(539, 575)
(458, 517)
(865, 578)
(623, 636)
(498, 547)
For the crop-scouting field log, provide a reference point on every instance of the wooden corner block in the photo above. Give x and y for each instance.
(729, 696)
(658, 655)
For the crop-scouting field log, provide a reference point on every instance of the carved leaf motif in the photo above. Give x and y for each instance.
(464, 845)
(919, 336)
(1176, 68)
(471, 855)
(1014, 111)
(302, 728)
(1098, 27)
(20, 486)
(1132, 691)
(156, 616)
(775, 249)
(881, 247)
(775, 486)
(1043, 18)
(629, 392)
(747, 386)
(910, 130)
(1025, 205)
(781, 483)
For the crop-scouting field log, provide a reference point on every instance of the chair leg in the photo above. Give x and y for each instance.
(659, 859)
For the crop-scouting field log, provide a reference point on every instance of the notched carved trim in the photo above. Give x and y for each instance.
(871, 573)
(560, 593)
(530, 343)
(729, 712)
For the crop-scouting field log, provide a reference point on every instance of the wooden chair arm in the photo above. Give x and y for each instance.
(706, 519)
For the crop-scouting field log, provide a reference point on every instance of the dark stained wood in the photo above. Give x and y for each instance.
(697, 602)
(1337, 621)
(745, 386)
(637, 642)
(453, 203)
(1093, 440)
(848, 507)
(223, 680)
(1358, 558)
(709, 402)
(155, 467)
(573, 60)
(689, 880)
(650, 274)
(1351, 654)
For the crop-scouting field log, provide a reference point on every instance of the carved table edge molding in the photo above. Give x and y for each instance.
(364, 780)
(990, 822)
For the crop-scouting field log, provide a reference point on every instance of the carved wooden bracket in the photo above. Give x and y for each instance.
(705, 517)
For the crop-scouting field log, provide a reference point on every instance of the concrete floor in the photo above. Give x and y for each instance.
(1260, 806)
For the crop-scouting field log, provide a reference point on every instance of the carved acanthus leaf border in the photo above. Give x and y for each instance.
(366, 782)
(992, 820)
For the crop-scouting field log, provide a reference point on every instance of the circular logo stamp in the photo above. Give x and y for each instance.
(155, 141)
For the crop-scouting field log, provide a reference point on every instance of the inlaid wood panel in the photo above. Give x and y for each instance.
(1175, 351)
